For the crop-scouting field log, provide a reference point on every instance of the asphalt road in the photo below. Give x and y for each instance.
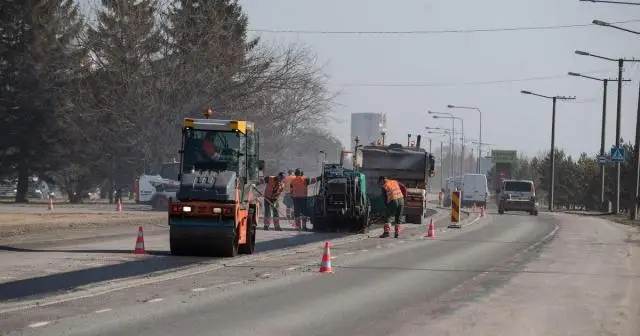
(378, 286)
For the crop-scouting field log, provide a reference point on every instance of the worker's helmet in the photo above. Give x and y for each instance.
(290, 172)
(298, 172)
(280, 176)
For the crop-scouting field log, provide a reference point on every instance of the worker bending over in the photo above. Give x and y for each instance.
(272, 191)
(393, 193)
(299, 193)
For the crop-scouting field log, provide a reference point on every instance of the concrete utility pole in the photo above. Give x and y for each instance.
(620, 62)
(552, 152)
(604, 81)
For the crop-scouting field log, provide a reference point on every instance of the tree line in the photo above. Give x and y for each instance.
(98, 98)
(577, 180)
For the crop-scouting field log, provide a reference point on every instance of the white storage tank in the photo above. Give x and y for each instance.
(367, 127)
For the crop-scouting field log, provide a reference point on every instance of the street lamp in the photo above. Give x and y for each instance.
(552, 156)
(452, 117)
(607, 24)
(603, 128)
(480, 137)
(618, 114)
(451, 136)
(613, 2)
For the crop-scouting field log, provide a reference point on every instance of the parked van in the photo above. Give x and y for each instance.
(474, 190)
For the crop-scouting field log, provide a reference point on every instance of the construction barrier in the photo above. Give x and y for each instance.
(455, 207)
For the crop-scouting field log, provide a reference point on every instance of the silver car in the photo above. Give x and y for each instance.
(518, 195)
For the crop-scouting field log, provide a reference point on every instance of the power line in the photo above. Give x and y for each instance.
(425, 32)
(498, 81)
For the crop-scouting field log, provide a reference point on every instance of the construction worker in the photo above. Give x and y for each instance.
(299, 193)
(272, 191)
(288, 201)
(393, 193)
(209, 148)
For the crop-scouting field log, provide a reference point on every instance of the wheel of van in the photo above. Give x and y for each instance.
(501, 211)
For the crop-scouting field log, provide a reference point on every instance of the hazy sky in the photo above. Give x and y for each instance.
(447, 61)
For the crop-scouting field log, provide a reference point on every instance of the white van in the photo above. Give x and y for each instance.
(474, 190)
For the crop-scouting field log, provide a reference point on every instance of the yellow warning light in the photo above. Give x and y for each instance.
(207, 113)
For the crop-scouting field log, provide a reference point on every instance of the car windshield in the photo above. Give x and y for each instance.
(517, 186)
(202, 148)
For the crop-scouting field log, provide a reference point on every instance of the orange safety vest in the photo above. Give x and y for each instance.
(274, 187)
(287, 182)
(392, 189)
(299, 186)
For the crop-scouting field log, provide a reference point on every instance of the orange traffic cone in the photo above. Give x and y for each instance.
(140, 242)
(325, 265)
(51, 207)
(482, 211)
(118, 205)
(431, 232)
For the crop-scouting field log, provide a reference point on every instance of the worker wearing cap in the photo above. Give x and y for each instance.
(393, 193)
(299, 193)
(272, 191)
(288, 201)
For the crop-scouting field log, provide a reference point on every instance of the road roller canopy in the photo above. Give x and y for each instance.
(240, 126)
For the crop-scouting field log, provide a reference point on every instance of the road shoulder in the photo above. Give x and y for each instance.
(583, 282)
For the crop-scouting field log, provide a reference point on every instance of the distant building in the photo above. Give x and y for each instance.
(367, 127)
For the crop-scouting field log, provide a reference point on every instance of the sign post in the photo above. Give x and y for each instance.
(455, 210)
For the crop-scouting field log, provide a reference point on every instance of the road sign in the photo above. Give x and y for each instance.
(504, 156)
(602, 160)
(617, 154)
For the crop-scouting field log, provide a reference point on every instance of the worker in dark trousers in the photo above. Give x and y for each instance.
(393, 193)
(299, 193)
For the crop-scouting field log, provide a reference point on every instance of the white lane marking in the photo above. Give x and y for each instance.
(155, 300)
(349, 253)
(364, 250)
(200, 289)
(102, 310)
(291, 269)
(39, 324)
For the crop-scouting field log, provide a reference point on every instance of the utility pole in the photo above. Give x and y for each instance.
(635, 195)
(552, 152)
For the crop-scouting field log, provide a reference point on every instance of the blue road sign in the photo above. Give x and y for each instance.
(617, 154)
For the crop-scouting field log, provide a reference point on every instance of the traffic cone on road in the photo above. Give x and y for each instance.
(325, 264)
(431, 231)
(140, 242)
(51, 206)
(118, 205)
(483, 211)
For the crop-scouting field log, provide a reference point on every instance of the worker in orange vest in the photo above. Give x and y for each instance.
(272, 191)
(393, 193)
(299, 193)
(288, 201)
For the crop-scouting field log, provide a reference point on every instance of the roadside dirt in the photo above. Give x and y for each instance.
(20, 224)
